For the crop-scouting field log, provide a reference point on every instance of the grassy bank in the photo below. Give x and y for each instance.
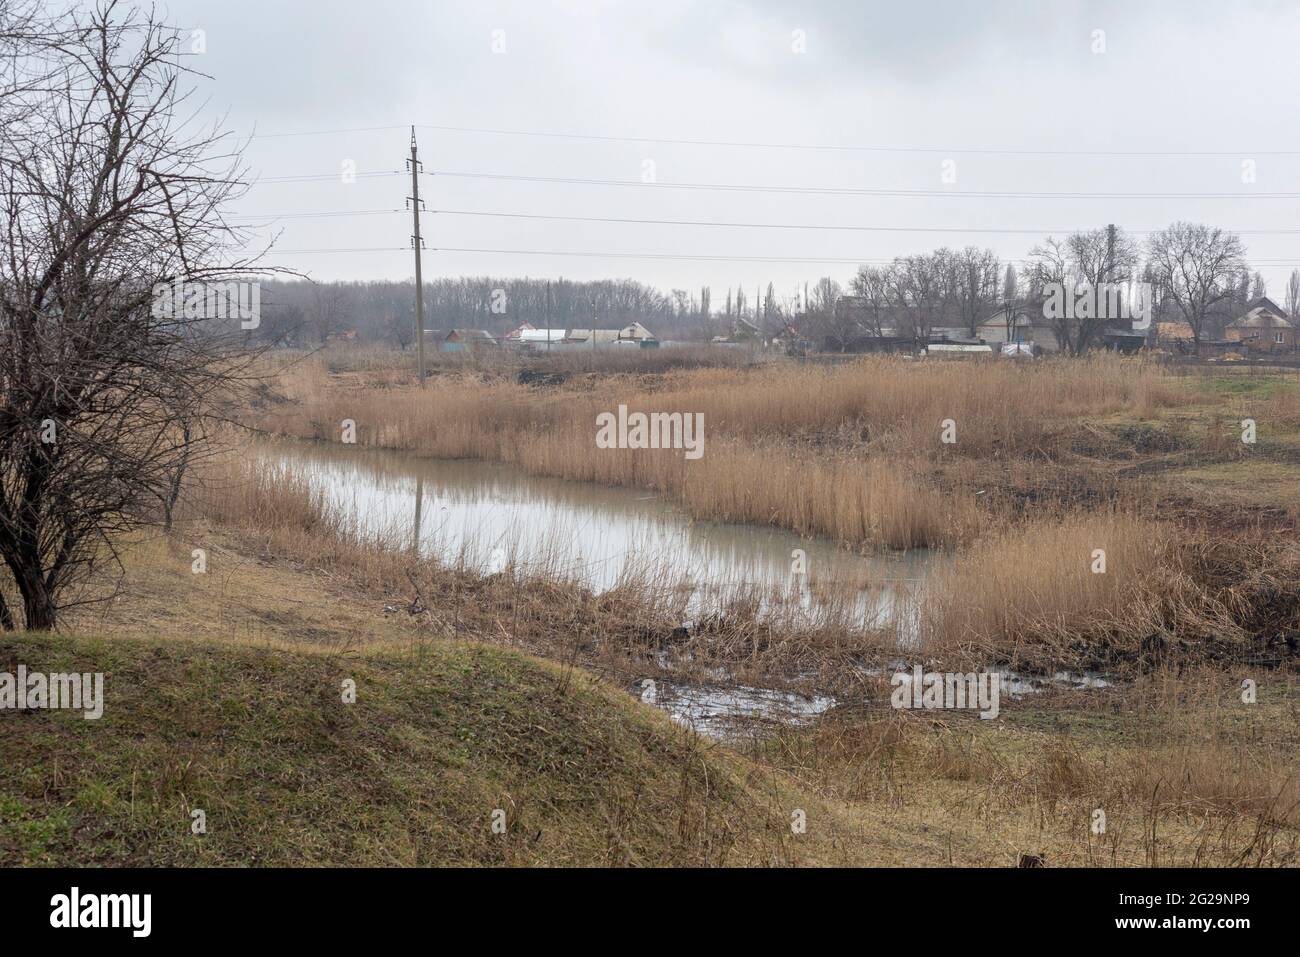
(229, 701)
(484, 693)
(260, 741)
(1171, 770)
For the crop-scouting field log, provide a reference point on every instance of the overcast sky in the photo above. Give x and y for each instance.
(931, 81)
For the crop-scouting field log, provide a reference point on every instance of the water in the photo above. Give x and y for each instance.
(725, 712)
(489, 516)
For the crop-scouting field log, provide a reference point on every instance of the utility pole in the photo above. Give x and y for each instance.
(417, 243)
(1110, 274)
(1110, 253)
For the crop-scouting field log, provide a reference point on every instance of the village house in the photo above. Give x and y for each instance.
(1263, 328)
(533, 340)
(743, 332)
(791, 342)
(634, 333)
(1022, 327)
(1172, 336)
(461, 340)
(516, 335)
(528, 338)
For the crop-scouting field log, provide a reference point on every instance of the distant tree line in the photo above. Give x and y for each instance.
(1199, 275)
(305, 314)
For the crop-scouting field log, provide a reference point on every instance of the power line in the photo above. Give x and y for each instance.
(319, 215)
(679, 222)
(327, 214)
(707, 258)
(857, 191)
(355, 249)
(613, 255)
(813, 226)
(352, 129)
(323, 177)
(756, 144)
(998, 151)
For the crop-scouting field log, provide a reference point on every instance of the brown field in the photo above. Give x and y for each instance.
(1183, 771)
(1201, 593)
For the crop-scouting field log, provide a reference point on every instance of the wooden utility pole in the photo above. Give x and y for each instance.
(417, 243)
(1110, 253)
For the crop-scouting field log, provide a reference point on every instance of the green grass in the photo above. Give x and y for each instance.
(1243, 386)
(288, 774)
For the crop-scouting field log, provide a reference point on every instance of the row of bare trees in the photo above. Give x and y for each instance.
(107, 187)
(1197, 268)
(308, 314)
(914, 294)
(1198, 274)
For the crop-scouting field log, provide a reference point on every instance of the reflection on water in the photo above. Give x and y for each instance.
(489, 516)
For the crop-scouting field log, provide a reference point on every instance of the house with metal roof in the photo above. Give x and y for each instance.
(466, 340)
(1264, 327)
(635, 333)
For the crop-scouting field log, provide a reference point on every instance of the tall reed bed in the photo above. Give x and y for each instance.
(1050, 582)
(1002, 405)
(837, 451)
(1107, 589)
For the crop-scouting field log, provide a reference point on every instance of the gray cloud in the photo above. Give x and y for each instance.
(1175, 76)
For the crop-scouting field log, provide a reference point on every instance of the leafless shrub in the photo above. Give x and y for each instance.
(106, 197)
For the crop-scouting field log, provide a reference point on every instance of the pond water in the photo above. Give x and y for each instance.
(489, 516)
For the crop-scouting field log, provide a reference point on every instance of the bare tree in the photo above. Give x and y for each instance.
(1197, 267)
(1010, 300)
(1293, 294)
(1086, 262)
(919, 289)
(1100, 256)
(26, 36)
(977, 286)
(106, 202)
(1048, 267)
(401, 327)
(874, 285)
(327, 310)
(836, 323)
